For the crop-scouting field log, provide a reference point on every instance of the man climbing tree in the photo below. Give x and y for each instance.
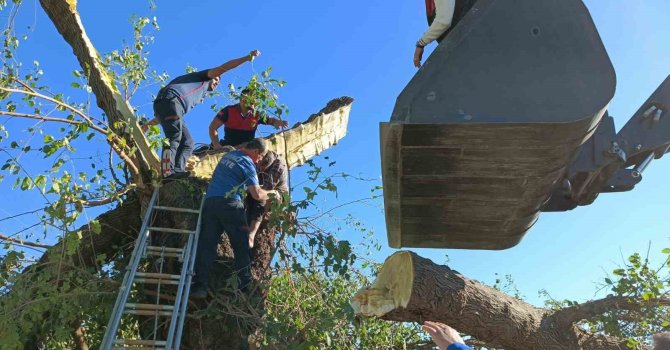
(241, 121)
(178, 98)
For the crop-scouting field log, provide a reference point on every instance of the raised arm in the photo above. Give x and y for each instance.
(214, 132)
(234, 63)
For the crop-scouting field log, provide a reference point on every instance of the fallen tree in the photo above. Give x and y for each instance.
(410, 288)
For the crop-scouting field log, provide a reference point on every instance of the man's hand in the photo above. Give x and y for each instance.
(216, 146)
(144, 127)
(273, 194)
(442, 335)
(418, 55)
(253, 54)
(281, 123)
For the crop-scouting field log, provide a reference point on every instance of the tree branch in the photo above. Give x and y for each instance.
(114, 141)
(410, 288)
(42, 118)
(593, 308)
(32, 92)
(109, 199)
(24, 243)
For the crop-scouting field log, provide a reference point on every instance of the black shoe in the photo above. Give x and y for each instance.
(198, 292)
(177, 176)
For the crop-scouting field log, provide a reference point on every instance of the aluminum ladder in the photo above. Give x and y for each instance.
(176, 312)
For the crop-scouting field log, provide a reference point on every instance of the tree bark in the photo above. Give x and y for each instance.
(410, 288)
(64, 15)
(301, 142)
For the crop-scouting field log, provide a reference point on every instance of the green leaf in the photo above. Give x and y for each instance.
(27, 183)
(95, 226)
(75, 85)
(41, 181)
(666, 251)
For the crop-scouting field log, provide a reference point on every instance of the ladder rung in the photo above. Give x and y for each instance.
(181, 210)
(158, 275)
(171, 230)
(164, 255)
(150, 307)
(140, 342)
(148, 313)
(156, 281)
(165, 249)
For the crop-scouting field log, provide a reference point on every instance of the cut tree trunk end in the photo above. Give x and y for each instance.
(410, 288)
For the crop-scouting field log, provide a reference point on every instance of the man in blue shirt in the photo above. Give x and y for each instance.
(178, 98)
(233, 178)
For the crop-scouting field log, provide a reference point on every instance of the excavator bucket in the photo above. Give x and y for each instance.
(482, 135)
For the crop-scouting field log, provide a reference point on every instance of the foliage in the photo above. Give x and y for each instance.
(641, 284)
(312, 311)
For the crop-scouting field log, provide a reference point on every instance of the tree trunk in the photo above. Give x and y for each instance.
(64, 15)
(410, 288)
(236, 316)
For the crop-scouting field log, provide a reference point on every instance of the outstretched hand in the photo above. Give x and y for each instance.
(442, 335)
(253, 54)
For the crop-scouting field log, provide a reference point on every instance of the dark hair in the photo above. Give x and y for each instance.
(257, 144)
(246, 91)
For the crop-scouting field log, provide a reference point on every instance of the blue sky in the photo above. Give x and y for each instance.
(364, 50)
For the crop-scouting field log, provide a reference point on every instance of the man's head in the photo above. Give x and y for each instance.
(267, 160)
(255, 149)
(214, 83)
(246, 99)
(662, 341)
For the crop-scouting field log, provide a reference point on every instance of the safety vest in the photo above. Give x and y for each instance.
(239, 122)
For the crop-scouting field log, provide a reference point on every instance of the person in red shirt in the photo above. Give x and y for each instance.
(240, 122)
(442, 15)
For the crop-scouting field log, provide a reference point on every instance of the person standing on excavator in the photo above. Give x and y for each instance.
(178, 98)
(442, 15)
(240, 122)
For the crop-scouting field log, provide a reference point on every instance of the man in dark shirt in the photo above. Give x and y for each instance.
(241, 122)
(178, 98)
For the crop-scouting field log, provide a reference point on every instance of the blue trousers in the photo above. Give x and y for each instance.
(221, 214)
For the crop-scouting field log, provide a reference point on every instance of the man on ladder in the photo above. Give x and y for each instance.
(223, 210)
